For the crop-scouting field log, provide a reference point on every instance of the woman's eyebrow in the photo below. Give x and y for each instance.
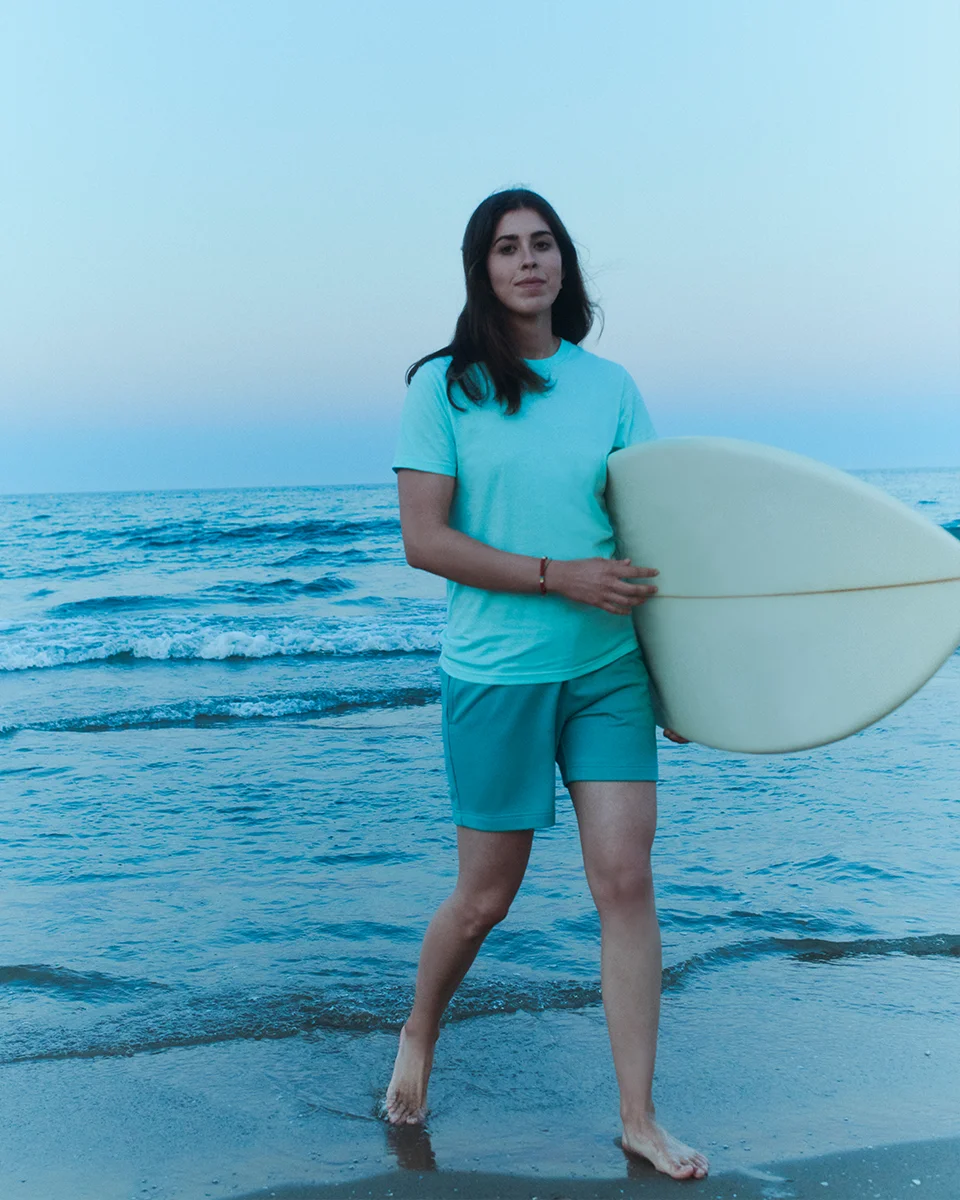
(513, 237)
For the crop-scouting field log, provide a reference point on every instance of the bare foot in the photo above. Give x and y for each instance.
(673, 1158)
(406, 1102)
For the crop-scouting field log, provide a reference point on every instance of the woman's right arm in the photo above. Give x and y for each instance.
(431, 545)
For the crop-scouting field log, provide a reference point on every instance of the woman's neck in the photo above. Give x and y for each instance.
(534, 336)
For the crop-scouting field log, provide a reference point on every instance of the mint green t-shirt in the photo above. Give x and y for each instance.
(532, 483)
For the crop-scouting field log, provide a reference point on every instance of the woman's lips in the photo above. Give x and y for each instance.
(530, 283)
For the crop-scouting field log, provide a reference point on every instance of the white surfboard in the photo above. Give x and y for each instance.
(796, 604)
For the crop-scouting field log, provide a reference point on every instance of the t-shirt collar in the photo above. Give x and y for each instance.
(546, 364)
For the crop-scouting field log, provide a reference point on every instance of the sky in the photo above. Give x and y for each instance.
(229, 226)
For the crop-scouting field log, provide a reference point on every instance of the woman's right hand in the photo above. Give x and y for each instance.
(602, 582)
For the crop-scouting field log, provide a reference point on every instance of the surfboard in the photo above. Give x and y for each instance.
(796, 604)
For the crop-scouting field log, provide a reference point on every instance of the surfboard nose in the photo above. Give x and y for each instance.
(796, 603)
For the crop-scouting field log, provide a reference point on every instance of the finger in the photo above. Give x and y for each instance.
(627, 587)
(632, 593)
(626, 570)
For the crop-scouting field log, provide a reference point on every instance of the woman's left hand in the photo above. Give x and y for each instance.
(675, 737)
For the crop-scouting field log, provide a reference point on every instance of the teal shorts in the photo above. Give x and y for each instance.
(501, 741)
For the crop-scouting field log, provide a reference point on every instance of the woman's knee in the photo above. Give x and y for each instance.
(479, 912)
(623, 884)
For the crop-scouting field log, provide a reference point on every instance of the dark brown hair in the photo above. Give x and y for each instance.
(481, 351)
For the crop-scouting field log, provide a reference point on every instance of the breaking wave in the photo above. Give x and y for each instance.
(206, 643)
(183, 1018)
(273, 591)
(224, 709)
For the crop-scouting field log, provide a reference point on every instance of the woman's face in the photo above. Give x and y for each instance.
(524, 263)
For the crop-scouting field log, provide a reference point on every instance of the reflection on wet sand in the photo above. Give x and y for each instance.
(411, 1147)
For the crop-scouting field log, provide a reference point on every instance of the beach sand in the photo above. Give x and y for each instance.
(922, 1169)
(768, 1063)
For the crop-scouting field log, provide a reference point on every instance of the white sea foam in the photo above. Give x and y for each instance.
(87, 645)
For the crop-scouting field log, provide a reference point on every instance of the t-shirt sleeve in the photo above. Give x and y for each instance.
(426, 441)
(635, 424)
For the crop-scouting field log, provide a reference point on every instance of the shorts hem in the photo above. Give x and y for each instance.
(603, 772)
(510, 822)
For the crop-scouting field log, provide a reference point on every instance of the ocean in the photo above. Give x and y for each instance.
(224, 825)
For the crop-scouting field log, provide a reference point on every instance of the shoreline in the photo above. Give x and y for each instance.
(928, 1169)
(861, 1108)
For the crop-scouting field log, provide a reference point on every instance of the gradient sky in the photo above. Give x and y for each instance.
(229, 226)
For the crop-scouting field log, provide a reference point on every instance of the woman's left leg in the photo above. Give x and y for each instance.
(617, 821)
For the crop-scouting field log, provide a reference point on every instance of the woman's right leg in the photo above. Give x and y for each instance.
(491, 868)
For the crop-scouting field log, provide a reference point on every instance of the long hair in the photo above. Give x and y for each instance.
(481, 351)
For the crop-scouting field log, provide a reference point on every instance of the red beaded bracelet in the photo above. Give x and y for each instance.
(543, 572)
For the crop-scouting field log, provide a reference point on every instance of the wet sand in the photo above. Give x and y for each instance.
(770, 1064)
(930, 1170)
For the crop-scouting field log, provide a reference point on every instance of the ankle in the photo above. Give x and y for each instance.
(637, 1117)
(423, 1034)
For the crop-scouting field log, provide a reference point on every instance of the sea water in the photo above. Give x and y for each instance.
(224, 818)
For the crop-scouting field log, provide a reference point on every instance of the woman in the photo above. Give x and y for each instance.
(501, 469)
